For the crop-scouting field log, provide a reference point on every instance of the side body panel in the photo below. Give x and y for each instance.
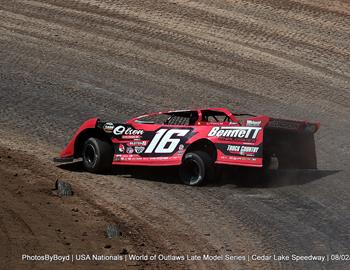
(148, 144)
(238, 145)
(244, 140)
(165, 145)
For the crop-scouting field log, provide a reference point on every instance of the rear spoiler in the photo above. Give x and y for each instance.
(291, 142)
(292, 125)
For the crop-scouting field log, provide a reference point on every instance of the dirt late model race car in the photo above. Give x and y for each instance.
(196, 140)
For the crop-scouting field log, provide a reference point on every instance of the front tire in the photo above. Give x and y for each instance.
(97, 155)
(197, 168)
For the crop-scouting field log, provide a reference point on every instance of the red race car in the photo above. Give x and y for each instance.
(196, 140)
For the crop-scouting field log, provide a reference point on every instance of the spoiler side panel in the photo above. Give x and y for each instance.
(292, 142)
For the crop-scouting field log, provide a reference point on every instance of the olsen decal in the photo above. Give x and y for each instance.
(123, 130)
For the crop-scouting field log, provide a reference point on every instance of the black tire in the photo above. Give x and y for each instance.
(97, 155)
(197, 168)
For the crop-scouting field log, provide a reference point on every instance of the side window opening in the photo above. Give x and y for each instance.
(215, 117)
(152, 119)
(187, 118)
(181, 118)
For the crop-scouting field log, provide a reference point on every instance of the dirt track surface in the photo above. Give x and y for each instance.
(36, 221)
(62, 62)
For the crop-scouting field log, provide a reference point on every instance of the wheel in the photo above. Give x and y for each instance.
(197, 168)
(97, 155)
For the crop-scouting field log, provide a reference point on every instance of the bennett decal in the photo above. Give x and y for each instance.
(235, 132)
(166, 140)
(253, 123)
(139, 149)
(123, 130)
(108, 127)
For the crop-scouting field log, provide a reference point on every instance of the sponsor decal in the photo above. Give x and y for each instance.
(121, 148)
(108, 127)
(139, 149)
(253, 123)
(117, 158)
(249, 149)
(131, 137)
(129, 150)
(239, 158)
(235, 132)
(128, 131)
(242, 149)
(181, 149)
(233, 148)
(137, 143)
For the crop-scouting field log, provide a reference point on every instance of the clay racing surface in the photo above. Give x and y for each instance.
(62, 62)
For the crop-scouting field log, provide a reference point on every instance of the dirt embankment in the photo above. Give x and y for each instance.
(34, 220)
(62, 62)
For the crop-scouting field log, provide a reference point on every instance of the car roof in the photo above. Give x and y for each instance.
(224, 110)
(200, 109)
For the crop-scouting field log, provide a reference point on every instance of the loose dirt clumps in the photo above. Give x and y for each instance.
(34, 222)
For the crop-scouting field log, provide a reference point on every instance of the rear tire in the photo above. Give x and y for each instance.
(197, 168)
(97, 155)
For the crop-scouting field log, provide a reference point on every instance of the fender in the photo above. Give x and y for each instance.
(204, 144)
(68, 151)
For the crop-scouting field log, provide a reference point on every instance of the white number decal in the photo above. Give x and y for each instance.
(155, 140)
(164, 137)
